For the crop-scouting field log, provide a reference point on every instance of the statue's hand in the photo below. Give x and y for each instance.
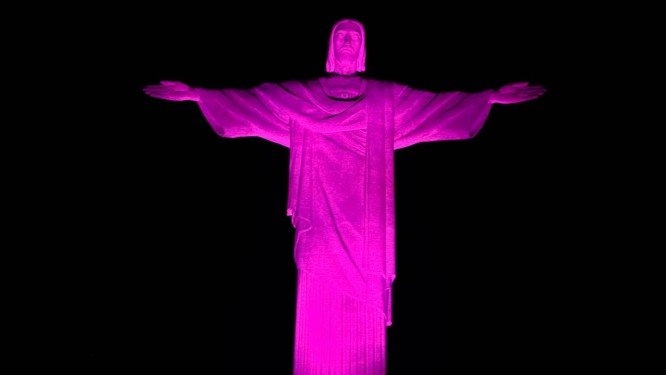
(516, 93)
(172, 90)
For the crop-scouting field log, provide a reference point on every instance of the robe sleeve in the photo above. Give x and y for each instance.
(254, 112)
(422, 116)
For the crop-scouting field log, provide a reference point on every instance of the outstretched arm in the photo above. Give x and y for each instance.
(234, 113)
(516, 93)
(422, 116)
(172, 90)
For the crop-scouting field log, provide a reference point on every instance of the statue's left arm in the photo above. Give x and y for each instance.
(422, 116)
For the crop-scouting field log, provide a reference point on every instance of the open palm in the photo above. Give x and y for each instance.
(516, 93)
(171, 90)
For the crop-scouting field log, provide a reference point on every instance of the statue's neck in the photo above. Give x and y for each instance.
(345, 70)
(343, 86)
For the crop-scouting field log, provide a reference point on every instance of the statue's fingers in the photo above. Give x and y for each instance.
(153, 94)
(530, 91)
(160, 96)
(530, 97)
(158, 93)
(154, 89)
(169, 83)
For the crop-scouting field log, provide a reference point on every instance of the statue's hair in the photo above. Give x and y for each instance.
(360, 59)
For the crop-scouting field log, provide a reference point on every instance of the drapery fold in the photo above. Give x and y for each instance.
(341, 192)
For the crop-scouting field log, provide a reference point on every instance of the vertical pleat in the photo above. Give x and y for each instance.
(336, 334)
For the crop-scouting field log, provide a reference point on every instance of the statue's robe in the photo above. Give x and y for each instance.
(340, 200)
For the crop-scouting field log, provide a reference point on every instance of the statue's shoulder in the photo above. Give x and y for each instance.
(295, 83)
(386, 85)
(298, 86)
(279, 87)
(294, 86)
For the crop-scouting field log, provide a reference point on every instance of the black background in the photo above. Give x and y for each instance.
(178, 254)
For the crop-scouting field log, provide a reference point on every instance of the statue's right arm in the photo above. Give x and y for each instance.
(234, 112)
(173, 91)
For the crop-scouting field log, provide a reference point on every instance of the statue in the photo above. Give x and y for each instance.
(342, 130)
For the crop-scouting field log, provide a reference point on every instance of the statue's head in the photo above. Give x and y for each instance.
(346, 48)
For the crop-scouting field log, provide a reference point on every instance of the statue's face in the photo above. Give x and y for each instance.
(347, 41)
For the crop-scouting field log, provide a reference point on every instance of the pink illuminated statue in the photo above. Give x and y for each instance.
(342, 130)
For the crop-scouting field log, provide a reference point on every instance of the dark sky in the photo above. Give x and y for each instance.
(180, 248)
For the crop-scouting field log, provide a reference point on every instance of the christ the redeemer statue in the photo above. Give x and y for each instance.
(341, 131)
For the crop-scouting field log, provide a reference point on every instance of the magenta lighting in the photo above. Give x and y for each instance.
(342, 130)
